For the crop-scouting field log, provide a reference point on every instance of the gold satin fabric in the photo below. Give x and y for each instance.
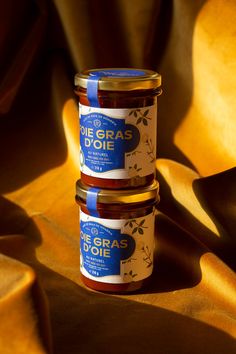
(190, 304)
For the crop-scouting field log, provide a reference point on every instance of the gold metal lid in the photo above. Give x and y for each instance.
(121, 196)
(120, 79)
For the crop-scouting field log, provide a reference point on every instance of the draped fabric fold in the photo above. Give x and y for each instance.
(190, 303)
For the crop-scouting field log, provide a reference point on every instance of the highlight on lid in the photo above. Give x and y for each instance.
(118, 119)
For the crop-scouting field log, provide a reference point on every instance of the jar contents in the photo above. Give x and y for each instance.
(118, 118)
(116, 236)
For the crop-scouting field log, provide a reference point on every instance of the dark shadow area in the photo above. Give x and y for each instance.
(88, 322)
(31, 132)
(23, 32)
(177, 258)
(109, 37)
(24, 18)
(159, 33)
(15, 243)
(221, 246)
(32, 138)
(176, 69)
(217, 196)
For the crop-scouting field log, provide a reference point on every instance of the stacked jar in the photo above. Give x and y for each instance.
(117, 192)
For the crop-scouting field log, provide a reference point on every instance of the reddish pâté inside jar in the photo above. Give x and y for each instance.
(118, 124)
(116, 236)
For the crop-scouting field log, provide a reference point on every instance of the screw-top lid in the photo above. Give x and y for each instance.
(122, 196)
(120, 79)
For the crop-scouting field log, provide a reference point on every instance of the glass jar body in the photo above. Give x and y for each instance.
(140, 114)
(130, 216)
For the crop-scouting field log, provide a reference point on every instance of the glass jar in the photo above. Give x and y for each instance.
(118, 126)
(116, 236)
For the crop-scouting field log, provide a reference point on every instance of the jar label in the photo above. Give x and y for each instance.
(116, 250)
(117, 143)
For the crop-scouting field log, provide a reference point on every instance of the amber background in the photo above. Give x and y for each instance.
(190, 305)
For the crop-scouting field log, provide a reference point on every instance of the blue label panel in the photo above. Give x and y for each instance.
(105, 140)
(117, 73)
(103, 248)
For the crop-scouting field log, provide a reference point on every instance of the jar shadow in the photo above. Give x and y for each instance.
(217, 196)
(176, 258)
